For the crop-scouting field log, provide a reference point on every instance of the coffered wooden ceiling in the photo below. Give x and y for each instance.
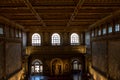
(57, 14)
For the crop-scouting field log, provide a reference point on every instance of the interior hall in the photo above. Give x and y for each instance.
(59, 39)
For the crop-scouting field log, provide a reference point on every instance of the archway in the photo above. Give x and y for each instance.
(76, 65)
(37, 67)
(56, 66)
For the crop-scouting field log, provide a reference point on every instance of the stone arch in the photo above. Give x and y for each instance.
(76, 64)
(36, 60)
(36, 66)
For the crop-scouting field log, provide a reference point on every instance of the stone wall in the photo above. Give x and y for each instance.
(46, 37)
(13, 57)
(11, 50)
(106, 50)
(99, 59)
(114, 59)
(106, 59)
(66, 59)
(1, 58)
(24, 42)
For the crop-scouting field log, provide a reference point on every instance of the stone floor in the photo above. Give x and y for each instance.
(67, 77)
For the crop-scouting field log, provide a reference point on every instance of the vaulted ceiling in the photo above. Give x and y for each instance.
(35, 15)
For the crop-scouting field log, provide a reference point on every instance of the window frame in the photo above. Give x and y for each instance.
(17, 33)
(55, 39)
(34, 67)
(118, 28)
(110, 29)
(99, 32)
(74, 39)
(1, 29)
(20, 33)
(36, 41)
(76, 65)
(104, 31)
(92, 33)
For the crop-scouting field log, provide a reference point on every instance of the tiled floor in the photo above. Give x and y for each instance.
(72, 77)
(38, 77)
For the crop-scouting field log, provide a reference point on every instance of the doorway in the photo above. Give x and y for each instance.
(37, 67)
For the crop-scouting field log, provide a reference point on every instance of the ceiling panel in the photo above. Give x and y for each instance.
(57, 14)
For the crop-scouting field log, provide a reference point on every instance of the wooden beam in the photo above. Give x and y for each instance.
(40, 28)
(59, 20)
(79, 5)
(104, 20)
(29, 5)
(13, 8)
(108, 4)
(54, 7)
(100, 7)
(55, 30)
(51, 20)
(41, 7)
(58, 27)
(5, 20)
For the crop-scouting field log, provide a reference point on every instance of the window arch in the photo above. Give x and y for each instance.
(77, 65)
(55, 39)
(37, 66)
(74, 39)
(36, 39)
(117, 27)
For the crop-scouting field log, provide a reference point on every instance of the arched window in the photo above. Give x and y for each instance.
(117, 27)
(74, 39)
(37, 67)
(104, 31)
(55, 39)
(77, 65)
(36, 39)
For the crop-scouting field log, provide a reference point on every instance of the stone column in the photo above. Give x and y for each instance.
(46, 38)
(29, 39)
(82, 38)
(66, 40)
